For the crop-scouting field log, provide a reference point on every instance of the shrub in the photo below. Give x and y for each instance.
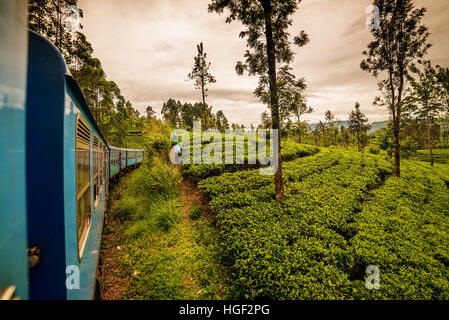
(290, 151)
(157, 139)
(167, 215)
(373, 150)
(343, 211)
(125, 209)
(196, 213)
(160, 179)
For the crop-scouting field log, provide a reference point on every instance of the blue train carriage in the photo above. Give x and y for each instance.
(13, 222)
(115, 162)
(67, 169)
(133, 157)
(139, 156)
(122, 158)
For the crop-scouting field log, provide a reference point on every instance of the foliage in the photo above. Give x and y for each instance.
(162, 256)
(200, 72)
(114, 115)
(168, 215)
(399, 41)
(317, 244)
(358, 124)
(440, 155)
(409, 148)
(427, 94)
(373, 150)
(290, 151)
(269, 53)
(158, 179)
(196, 213)
(182, 115)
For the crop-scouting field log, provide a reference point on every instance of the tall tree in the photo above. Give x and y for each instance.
(265, 120)
(358, 124)
(330, 119)
(443, 79)
(290, 93)
(320, 132)
(150, 112)
(300, 108)
(200, 72)
(266, 24)
(398, 42)
(50, 19)
(38, 17)
(171, 112)
(345, 136)
(426, 93)
(221, 121)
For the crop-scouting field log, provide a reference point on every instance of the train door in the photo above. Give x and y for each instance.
(13, 211)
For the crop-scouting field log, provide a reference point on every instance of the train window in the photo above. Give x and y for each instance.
(95, 168)
(83, 211)
(106, 163)
(101, 164)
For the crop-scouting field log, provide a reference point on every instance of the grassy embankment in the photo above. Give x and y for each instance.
(159, 240)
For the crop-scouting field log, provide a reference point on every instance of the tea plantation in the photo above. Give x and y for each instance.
(439, 155)
(343, 212)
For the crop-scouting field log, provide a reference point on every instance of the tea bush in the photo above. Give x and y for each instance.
(290, 150)
(343, 211)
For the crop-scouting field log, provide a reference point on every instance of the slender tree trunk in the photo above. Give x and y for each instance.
(204, 101)
(358, 141)
(396, 128)
(429, 136)
(204, 98)
(299, 130)
(397, 149)
(271, 54)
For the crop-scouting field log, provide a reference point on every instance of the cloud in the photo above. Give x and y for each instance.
(147, 47)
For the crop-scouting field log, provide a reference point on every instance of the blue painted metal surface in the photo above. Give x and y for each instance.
(114, 162)
(38, 189)
(89, 260)
(13, 61)
(55, 100)
(45, 180)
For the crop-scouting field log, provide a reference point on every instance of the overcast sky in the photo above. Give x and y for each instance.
(147, 48)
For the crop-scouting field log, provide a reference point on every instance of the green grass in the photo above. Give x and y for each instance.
(165, 254)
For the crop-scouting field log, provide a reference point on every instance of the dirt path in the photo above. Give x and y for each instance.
(112, 283)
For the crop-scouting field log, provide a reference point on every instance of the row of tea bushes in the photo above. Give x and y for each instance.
(290, 150)
(339, 216)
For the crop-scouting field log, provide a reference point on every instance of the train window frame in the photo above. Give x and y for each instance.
(101, 167)
(85, 191)
(95, 169)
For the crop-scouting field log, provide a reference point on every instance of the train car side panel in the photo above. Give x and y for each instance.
(83, 232)
(45, 181)
(13, 73)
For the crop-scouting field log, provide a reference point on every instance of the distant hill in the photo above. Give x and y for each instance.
(378, 125)
(374, 125)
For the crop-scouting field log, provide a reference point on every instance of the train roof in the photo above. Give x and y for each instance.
(71, 82)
